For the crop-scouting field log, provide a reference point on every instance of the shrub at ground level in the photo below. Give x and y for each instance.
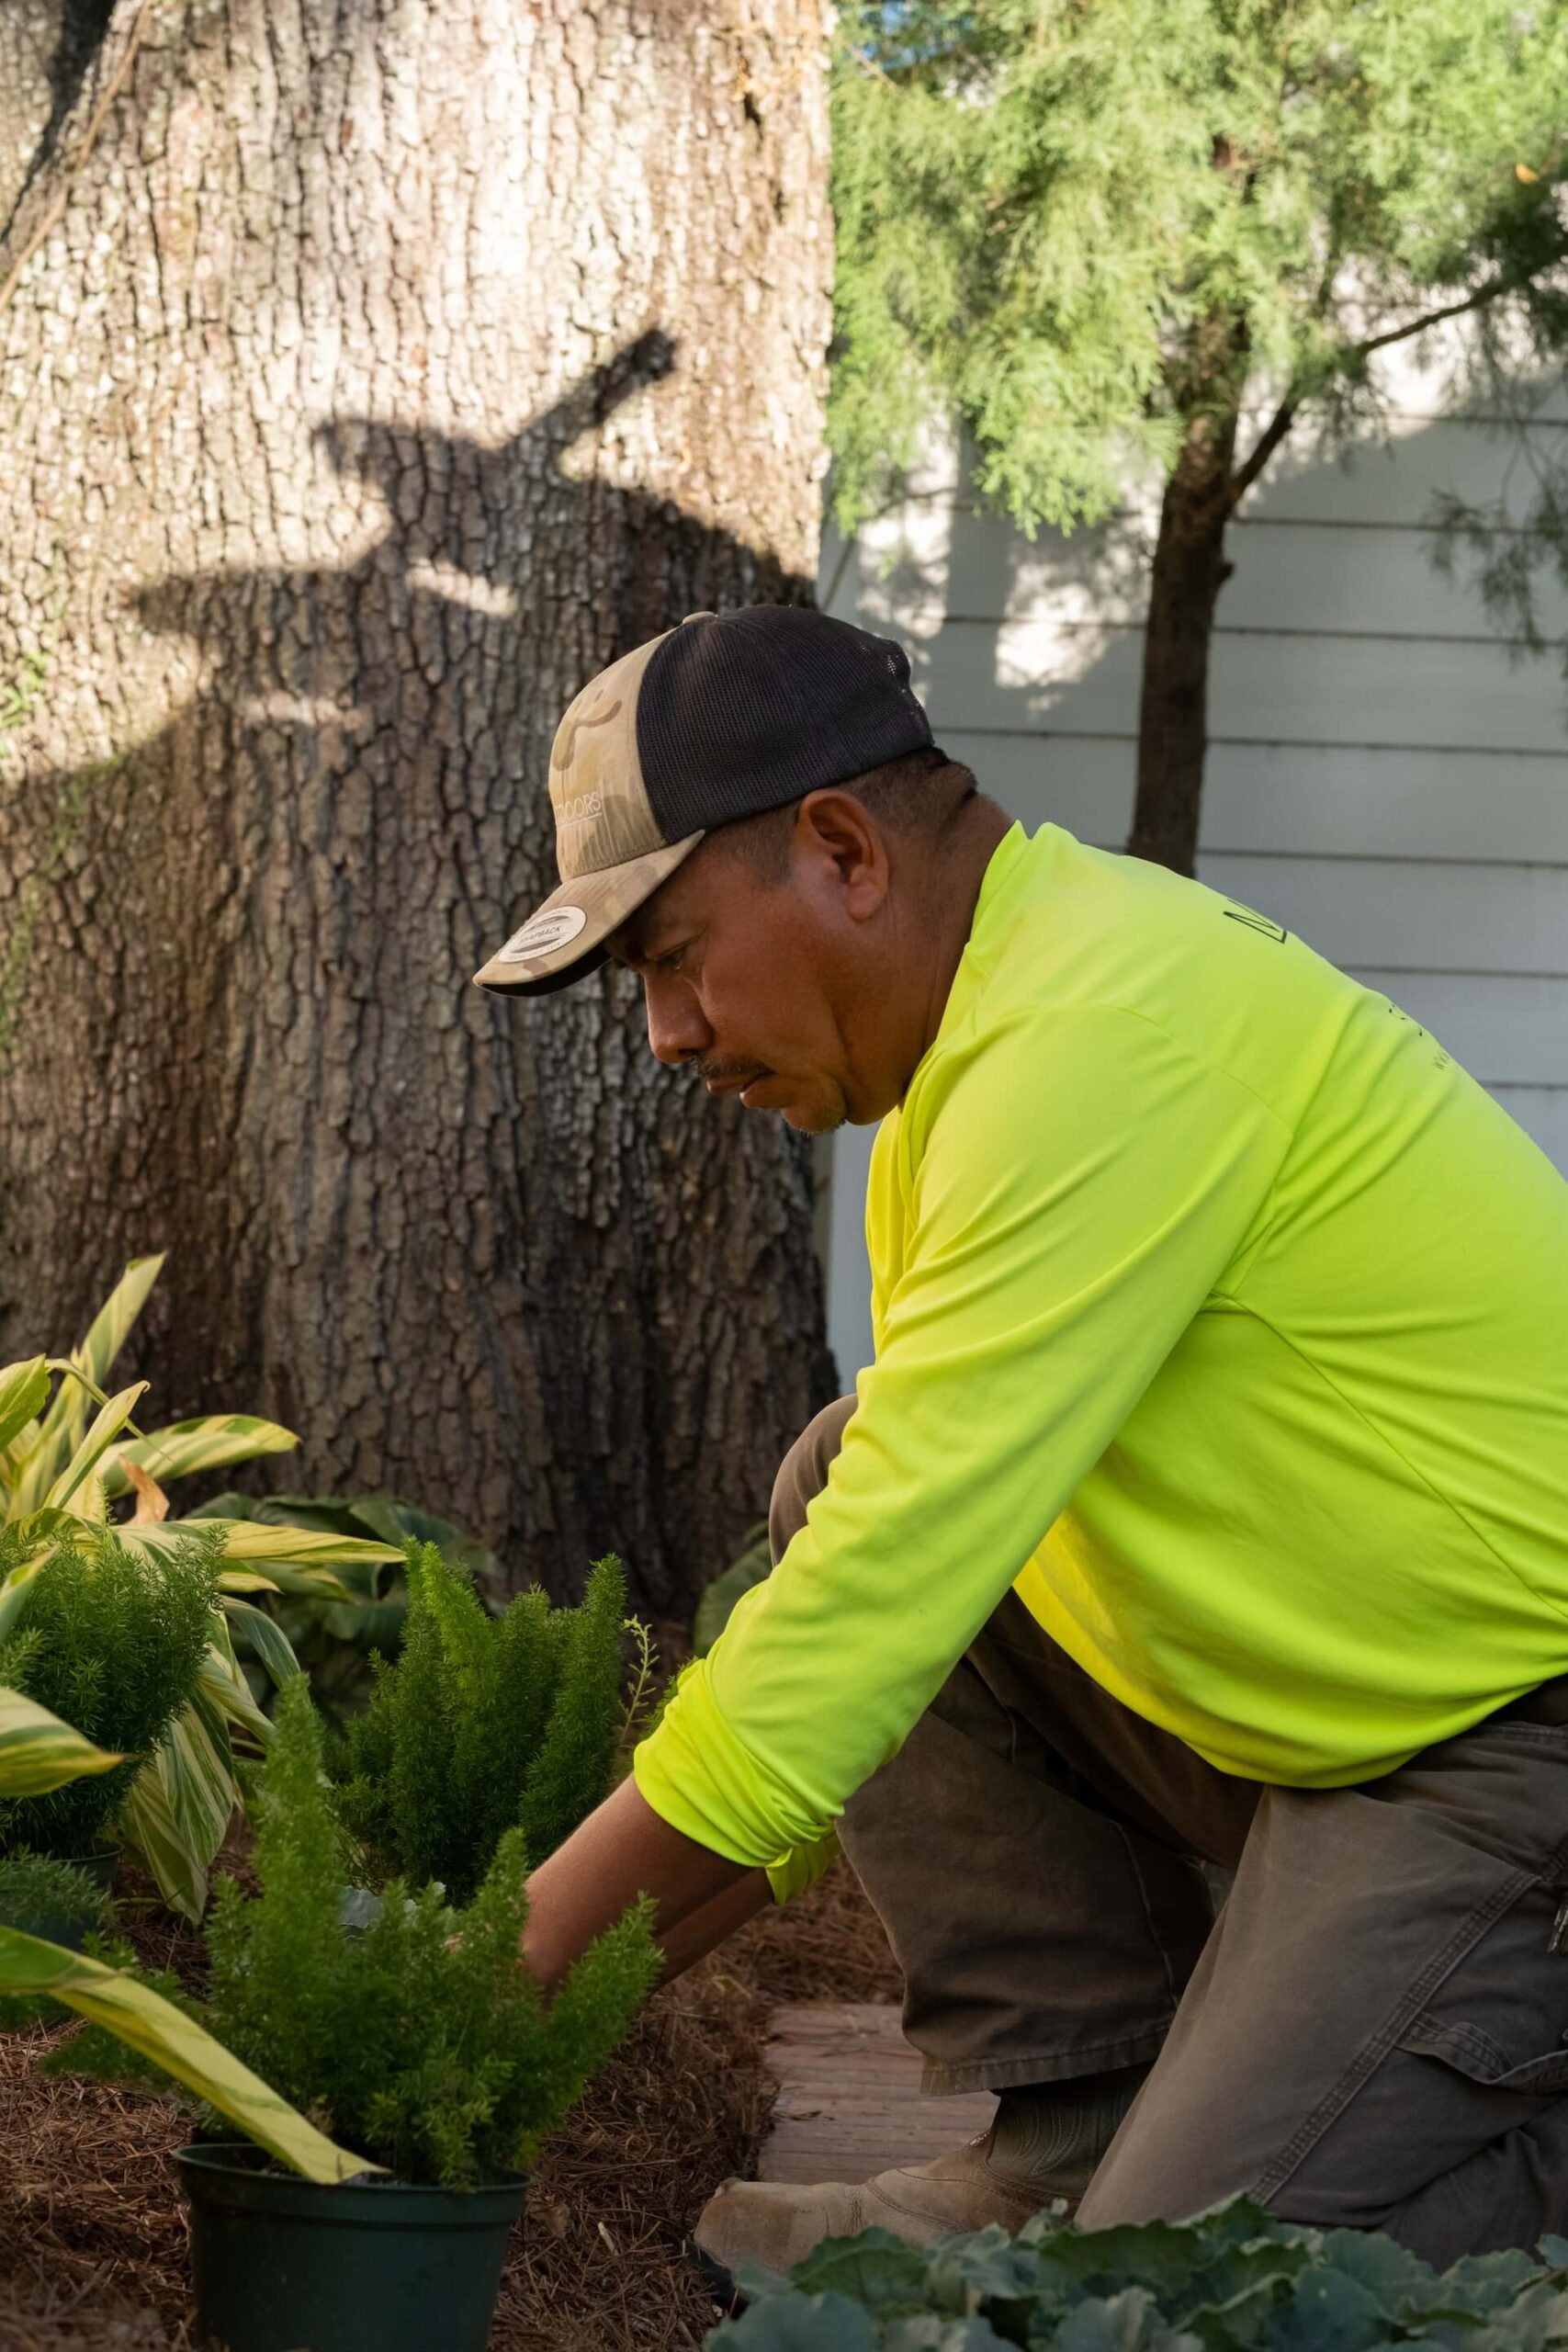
(421, 2043)
(111, 1642)
(485, 1725)
(1234, 2280)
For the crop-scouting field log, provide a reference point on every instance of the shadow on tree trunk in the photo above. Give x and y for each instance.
(483, 1254)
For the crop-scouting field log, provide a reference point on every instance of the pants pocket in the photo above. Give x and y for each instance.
(1466, 2045)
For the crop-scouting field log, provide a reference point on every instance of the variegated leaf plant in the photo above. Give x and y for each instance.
(65, 1470)
(38, 1752)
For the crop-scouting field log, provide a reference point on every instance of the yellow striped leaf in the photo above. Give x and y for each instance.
(205, 1444)
(108, 1423)
(111, 1325)
(219, 1679)
(38, 1752)
(14, 1588)
(266, 1637)
(66, 1417)
(179, 1808)
(138, 2016)
(23, 1391)
(296, 1559)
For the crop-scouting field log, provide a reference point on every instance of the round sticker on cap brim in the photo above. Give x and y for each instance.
(542, 933)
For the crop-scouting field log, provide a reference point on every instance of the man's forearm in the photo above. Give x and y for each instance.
(621, 1850)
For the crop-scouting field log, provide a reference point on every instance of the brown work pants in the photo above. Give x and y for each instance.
(1372, 2032)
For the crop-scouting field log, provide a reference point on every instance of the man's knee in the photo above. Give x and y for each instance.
(803, 1473)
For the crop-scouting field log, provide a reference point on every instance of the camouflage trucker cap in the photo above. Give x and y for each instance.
(727, 716)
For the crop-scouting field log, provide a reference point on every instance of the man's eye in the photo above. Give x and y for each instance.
(671, 961)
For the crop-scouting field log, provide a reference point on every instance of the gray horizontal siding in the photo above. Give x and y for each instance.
(1384, 776)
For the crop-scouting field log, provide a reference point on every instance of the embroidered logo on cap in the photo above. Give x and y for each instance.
(550, 930)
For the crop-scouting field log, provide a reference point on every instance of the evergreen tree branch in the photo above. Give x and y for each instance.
(1484, 296)
(1263, 448)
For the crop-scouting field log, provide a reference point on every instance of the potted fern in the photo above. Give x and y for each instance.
(421, 2046)
(486, 1724)
(112, 1643)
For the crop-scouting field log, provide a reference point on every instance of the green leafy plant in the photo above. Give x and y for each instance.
(485, 1725)
(112, 1642)
(1233, 2280)
(66, 1480)
(423, 2040)
(1175, 239)
(38, 1753)
(752, 1565)
(337, 1641)
(40, 1886)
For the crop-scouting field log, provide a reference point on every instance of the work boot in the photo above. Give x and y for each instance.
(1044, 2143)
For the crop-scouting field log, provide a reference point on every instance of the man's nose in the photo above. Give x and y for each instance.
(676, 1029)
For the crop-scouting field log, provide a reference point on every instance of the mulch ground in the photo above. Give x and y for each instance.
(92, 2232)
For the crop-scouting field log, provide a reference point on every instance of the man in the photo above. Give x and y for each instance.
(1207, 1500)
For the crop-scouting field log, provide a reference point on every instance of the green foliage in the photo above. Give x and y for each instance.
(422, 2041)
(112, 1640)
(1233, 2280)
(485, 1724)
(752, 1565)
(45, 1896)
(335, 1642)
(1081, 229)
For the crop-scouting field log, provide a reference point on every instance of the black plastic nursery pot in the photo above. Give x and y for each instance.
(283, 2265)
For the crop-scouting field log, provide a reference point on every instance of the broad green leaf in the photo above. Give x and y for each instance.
(800, 2324)
(24, 1390)
(184, 2049)
(14, 1589)
(302, 1548)
(38, 1752)
(266, 1636)
(110, 1327)
(64, 1422)
(718, 1598)
(107, 1425)
(292, 1560)
(246, 1580)
(14, 1460)
(205, 1443)
(180, 1805)
(220, 1677)
(875, 2268)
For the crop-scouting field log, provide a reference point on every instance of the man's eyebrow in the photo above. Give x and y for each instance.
(626, 946)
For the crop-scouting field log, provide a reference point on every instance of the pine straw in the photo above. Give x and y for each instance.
(92, 2232)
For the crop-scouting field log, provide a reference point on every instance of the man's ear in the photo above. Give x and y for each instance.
(844, 850)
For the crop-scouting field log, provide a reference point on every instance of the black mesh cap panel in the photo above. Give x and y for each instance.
(743, 711)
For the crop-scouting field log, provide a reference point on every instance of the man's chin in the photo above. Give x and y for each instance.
(813, 1118)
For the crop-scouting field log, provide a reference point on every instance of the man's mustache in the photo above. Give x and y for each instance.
(713, 1069)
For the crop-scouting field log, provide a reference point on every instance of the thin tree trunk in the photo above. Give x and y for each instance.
(1189, 570)
(383, 373)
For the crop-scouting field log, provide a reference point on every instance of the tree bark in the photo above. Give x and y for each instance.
(1189, 570)
(385, 373)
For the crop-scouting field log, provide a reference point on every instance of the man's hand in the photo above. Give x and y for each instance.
(623, 1850)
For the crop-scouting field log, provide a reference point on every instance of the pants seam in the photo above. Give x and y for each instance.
(1376, 2047)
(1171, 1986)
(941, 2081)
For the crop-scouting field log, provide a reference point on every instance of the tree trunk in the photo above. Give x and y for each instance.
(382, 374)
(1189, 570)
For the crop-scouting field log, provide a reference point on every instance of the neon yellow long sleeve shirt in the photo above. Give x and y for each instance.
(1216, 1310)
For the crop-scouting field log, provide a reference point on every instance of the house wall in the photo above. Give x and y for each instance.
(1386, 776)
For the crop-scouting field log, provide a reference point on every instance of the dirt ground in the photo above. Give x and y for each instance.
(91, 2232)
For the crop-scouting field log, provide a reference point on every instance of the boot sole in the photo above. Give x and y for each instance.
(718, 2280)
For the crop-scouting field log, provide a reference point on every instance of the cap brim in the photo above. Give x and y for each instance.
(604, 900)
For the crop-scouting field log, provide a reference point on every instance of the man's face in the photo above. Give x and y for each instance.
(754, 983)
